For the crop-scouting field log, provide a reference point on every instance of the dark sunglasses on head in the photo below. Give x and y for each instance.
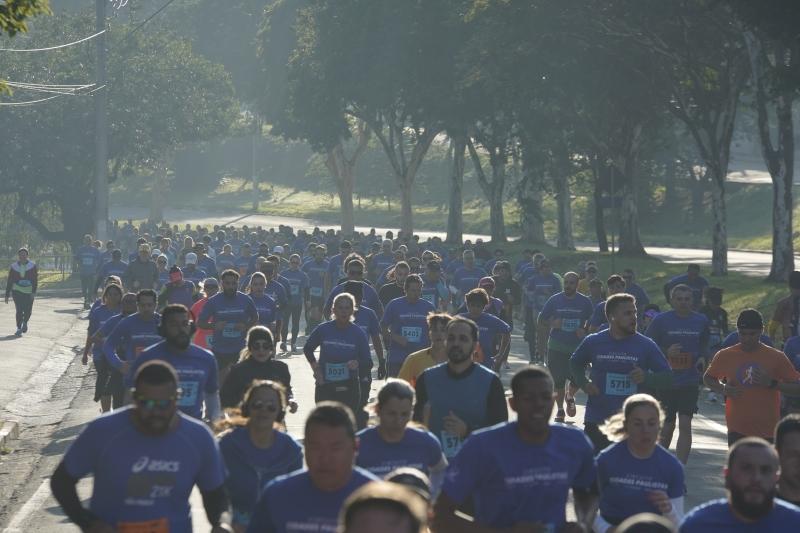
(150, 404)
(258, 404)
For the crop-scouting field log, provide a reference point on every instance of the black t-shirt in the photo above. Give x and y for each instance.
(389, 292)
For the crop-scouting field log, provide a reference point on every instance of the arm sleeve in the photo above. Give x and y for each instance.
(62, 484)
(216, 503)
(496, 409)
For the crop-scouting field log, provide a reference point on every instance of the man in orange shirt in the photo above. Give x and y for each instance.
(751, 375)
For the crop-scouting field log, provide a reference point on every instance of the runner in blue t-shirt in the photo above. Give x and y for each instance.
(682, 335)
(336, 266)
(316, 270)
(344, 357)
(311, 499)
(466, 277)
(565, 314)
(392, 444)
(355, 272)
(265, 304)
(299, 284)
(494, 335)
(196, 367)
(636, 475)
(694, 280)
(622, 360)
(750, 506)
(98, 316)
(88, 260)
(537, 289)
(520, 473)
(615, 285)
(115, 267)
(255, 451)
(133, 334)
(405, 324)
(229, 314)
(145, 459)
(367, 320)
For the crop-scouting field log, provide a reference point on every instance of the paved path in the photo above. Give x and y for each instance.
(59, 403)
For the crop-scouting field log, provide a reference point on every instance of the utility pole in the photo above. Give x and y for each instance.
(101, 127)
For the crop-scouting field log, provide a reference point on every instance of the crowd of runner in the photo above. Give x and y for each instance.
(187, 330)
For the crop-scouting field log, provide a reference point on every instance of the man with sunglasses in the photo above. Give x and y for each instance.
(145, 459)
(196, 367)
(355, 272)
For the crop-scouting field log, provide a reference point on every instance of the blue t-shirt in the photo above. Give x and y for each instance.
(418, 449)
(250, 469)
(792, 350)
(599, 319)
(337, 347)
(625, 481)
(316, 277)
(489, 327)
(573, 312)
(197, 374)
(112, 268)
(298, 283)
(733, 339)
(225, 261)
(242, 265)
(691, 333)
(512, 481)
(182, 293)
(335, 271)
(131, 336)
(98, 317)
(612, 360)
(465, 279)
(716, 516)
(292, 504)
(382, 261)
(409, 321)
(367, 320)
(238, 309)
(433, 292)
(140, 478)
(267, 309)
(195, 275)
(539, 288)
(368, 293)
(88, 259)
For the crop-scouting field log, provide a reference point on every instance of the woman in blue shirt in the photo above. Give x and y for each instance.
(254, 450)
(392, 444)
(110, 306)
(636, 475)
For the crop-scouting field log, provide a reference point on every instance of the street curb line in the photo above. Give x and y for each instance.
(8, 431)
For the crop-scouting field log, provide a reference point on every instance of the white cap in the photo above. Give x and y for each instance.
(156, 252)
(191, 258)
(277, 250)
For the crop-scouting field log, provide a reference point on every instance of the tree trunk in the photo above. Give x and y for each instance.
(630, 243)
(343, 172)
(406, 209)
(497, 224)
(698, 191)
(670, 189)
(597, 200)
(564, 240)
(529, 198)
(159, 193)
(455, 214)
(719, 228)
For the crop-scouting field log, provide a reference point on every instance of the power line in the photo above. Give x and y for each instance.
(52, 89)
(30, 102)
(52, 47)
(145, 21)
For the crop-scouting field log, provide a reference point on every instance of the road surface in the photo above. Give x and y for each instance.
(51, 394)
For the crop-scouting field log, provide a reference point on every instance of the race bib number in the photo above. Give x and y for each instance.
(315, 291)
(189, 390)
(411, 333)
(336, 372)
(451, 444)
(619, 385)
(230, 331)
(149, 526)
(88, 261)
(210, 341)
(24, 283)
(681, 361)
(294, 290)
(570, 324)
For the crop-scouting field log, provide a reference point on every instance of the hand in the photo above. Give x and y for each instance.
(455, 426)
(292, 406)
(317, 373)
(382, 372)
(761, 378)
(660, 500)
(637, 375)
(591, 389)
(580, 333)
(100, 527)
(674, 350)
(732, 391)
(352, 364)
(85, 359)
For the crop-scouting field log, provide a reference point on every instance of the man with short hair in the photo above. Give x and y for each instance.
(417, 362)
(133, 334)
(466, 277)
(404, 324)
(694, 280)
(751, 476)
(142, 273)
(751, 376)
(492, 332)
(518, 474)
(385, 507)
(787, 442)
(311, 499)
(146, 459)
(598, 321)
(462, 396)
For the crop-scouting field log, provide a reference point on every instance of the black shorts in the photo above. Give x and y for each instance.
(599, 440)
(679, 400)
(558, 364)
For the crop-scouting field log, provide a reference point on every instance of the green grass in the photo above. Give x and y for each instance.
(57, 280)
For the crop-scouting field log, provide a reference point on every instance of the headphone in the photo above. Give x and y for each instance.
(245, 408)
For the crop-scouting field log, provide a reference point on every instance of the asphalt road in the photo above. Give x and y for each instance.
(51, 395)
(747, 262)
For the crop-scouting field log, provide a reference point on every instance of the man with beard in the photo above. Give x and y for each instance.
(520, 473)
(787, 442)
(462, 396)
(196, 367)
(750, 479)
(145, 459)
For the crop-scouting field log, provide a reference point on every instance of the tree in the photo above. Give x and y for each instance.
(15, 13)
(773, 47)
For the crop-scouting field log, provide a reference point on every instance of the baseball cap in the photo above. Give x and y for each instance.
(486, 282)
(277, 250)
(191, 258)
(210, 282)
(750, 319)
(156, 252)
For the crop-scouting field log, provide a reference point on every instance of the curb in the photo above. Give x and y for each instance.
(8, 430)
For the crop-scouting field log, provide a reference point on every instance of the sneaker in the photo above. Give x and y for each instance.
(559, 419)
(18, 332)
(294, 348)
(283, 346)
(24, 327)
(712, 397)
(507, 366)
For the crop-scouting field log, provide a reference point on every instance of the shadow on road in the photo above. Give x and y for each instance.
(11, 337)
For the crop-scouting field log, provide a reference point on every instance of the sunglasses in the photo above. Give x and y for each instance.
(150, 404)
(262, 344)
(161, 261)
(355, 272)
(258, 404)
